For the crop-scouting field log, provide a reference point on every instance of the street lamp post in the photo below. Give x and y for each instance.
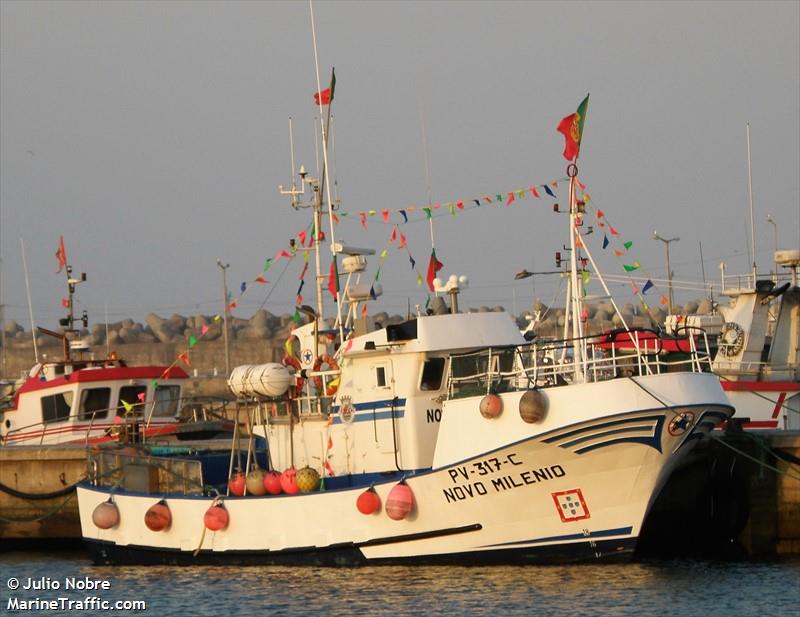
(666, 242)
(224, 268)
(775, 239)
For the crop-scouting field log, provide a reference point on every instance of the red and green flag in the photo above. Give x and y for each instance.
(333, 278)
(61, 254)
(434, 265)
(572, 129)
(326, 96)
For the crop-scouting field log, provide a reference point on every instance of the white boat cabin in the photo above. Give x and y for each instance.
(86, 401)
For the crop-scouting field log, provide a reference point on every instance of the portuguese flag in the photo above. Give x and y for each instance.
(433, 267)
(333, 278)
(326, 96)
(572, 129)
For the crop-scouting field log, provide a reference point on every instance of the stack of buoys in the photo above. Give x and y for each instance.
(307, 480)
(491, 406)
(237, 483)
(255, 482)
(368, 502)
(216, 517)
(400, 501)
(272, 483)
(289, 481)
(106, 515)
(158, 517)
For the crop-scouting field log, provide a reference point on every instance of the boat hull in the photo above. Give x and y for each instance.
(576, 493)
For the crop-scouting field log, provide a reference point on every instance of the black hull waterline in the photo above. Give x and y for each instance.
(597, 551)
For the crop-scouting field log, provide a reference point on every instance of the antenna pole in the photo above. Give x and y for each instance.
(573, 259)
(325, 175)
(750, 191)
(30, 304)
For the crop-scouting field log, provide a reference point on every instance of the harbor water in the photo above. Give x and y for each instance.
(678, 587)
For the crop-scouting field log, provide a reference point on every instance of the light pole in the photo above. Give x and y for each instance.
(775, 238)
(224, 268)
(666, 242)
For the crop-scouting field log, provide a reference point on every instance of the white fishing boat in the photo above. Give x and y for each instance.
(447, 438)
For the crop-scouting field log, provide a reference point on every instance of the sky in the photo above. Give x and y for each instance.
(154, 135)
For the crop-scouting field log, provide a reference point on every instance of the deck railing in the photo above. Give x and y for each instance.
(552, 363)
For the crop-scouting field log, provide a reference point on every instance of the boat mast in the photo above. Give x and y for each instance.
(30, 304)
(575, 312)
(326, 182)
(750, 192)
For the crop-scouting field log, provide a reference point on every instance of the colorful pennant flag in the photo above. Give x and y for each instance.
(647, 286)
(632, 267)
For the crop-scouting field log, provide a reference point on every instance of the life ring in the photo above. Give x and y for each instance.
(333, 385)
(731, 339)
(294, 363)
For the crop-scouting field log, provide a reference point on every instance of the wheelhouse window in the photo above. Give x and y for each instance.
(134, 396)
(380, 376)
(95, 403)
(167, 398)
(56, 407)
(432, 373)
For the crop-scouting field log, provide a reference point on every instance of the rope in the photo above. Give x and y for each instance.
(781, 454)
(754, 459)
(40, 496)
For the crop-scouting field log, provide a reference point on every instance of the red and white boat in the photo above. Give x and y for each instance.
(761, 375)
(85, 400)
(90, 401)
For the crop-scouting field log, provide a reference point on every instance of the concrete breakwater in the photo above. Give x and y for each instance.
(260, 338)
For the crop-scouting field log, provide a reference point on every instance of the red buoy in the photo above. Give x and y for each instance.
(491, 406)
(237, 483)
(400, 501)
(106, 515)
(158, 517)
(272, 482)
(368, 502)
(216, 518)
(289, 481)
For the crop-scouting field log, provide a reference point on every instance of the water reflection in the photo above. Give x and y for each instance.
(676, 587)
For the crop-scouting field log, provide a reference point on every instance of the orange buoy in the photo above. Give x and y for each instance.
(237, 483)
(255, 482)
(400, 501)
(158, 517)
(491, 406)
(369, 501)
(106, 515)
(272, 482)
(307, 480)
(216, 518)
(289, 481)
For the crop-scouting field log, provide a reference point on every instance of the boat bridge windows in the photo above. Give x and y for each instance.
(132, 396)
(166, 401)
(95, 403)
(432, 374)
(56, 407)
